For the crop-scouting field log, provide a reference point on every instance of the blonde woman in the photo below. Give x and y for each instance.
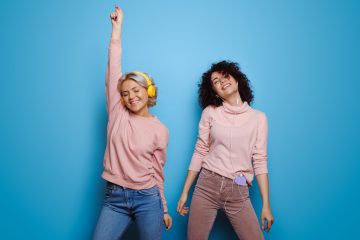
(135, 153)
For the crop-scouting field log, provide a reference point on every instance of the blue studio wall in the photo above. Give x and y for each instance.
(301, 56)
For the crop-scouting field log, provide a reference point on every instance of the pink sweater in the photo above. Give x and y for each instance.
(136, 146)
(232, 140)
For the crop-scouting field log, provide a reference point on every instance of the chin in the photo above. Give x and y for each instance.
(229, 92)
(134, 109)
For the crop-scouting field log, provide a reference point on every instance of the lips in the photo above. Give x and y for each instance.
(133, 102)
(225, 86)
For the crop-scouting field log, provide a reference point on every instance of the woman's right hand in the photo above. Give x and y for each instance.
(117, 18)
(181, 207)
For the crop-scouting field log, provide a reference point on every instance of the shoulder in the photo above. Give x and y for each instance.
(260, 116)
(160, 128)
(209, 111)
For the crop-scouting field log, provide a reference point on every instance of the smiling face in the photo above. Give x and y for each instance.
(224, 85)
(135, 97)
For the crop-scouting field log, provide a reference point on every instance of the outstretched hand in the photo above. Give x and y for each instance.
(117, 17)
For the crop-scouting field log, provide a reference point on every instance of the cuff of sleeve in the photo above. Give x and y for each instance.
(165, 209)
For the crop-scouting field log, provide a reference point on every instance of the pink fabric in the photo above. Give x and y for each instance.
(136, 146)
(232, 140)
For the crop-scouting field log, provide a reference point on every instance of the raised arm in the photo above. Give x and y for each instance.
(113, 71)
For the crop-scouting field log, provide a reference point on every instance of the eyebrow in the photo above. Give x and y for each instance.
(129, 89)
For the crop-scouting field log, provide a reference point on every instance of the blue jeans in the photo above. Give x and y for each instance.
(122, 206)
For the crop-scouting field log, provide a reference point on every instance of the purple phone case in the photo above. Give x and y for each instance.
(240, 180)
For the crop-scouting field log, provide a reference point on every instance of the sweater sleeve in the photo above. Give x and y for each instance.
(203, 142)
(113, 74)
(159, 163)
(259, 155)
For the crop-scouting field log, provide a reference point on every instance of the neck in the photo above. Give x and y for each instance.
(234, 99)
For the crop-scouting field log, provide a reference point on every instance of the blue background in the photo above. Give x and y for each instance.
(302, 58)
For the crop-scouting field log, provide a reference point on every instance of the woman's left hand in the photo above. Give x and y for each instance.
(167, 221)
(267, 219)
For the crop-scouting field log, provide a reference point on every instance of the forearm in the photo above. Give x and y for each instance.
(263, 183)
(190, 178)
(159, 179)
(162, 195)
(113, 71)
(116, 33)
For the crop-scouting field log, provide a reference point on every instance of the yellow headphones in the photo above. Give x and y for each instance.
(151, 90)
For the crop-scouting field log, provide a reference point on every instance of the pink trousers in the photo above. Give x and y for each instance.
(214, 192)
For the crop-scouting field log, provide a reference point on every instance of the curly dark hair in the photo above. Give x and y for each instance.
(207, 95)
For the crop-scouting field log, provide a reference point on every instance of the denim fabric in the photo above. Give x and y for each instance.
(122, 206)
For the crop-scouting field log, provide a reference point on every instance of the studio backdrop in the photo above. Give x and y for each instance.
(302, 58)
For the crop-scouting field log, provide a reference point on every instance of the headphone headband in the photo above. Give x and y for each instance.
(150, 86)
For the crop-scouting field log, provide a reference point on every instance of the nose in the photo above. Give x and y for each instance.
(131, 95)
(223, 80)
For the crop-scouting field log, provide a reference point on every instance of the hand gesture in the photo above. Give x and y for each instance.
(117, 18)
(181, 208)
(267, 219)
(167, 221)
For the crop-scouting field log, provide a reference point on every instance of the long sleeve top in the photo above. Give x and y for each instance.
(136, 146)
(232, 140)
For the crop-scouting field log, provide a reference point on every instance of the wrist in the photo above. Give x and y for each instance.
(115, 36)
(184, 193)
(116, 31)
(266, 205)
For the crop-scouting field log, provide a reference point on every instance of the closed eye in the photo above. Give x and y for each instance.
(215, 81)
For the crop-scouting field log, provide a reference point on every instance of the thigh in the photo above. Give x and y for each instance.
(114, 216)
(241, 214)
(148, 213)
(111, 224)
(203, 211)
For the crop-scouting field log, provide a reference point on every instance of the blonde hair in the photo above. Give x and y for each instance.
(141, 78)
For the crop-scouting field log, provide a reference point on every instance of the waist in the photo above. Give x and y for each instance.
(209, 173)
(130, 183)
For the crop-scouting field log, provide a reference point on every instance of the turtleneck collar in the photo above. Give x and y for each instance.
(236, 109)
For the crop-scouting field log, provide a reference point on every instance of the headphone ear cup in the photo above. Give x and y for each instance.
(151, 91)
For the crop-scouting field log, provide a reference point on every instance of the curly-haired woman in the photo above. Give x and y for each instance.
(231, 149)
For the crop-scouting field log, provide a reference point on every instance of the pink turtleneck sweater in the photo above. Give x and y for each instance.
(136, 146)
(232, 140)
